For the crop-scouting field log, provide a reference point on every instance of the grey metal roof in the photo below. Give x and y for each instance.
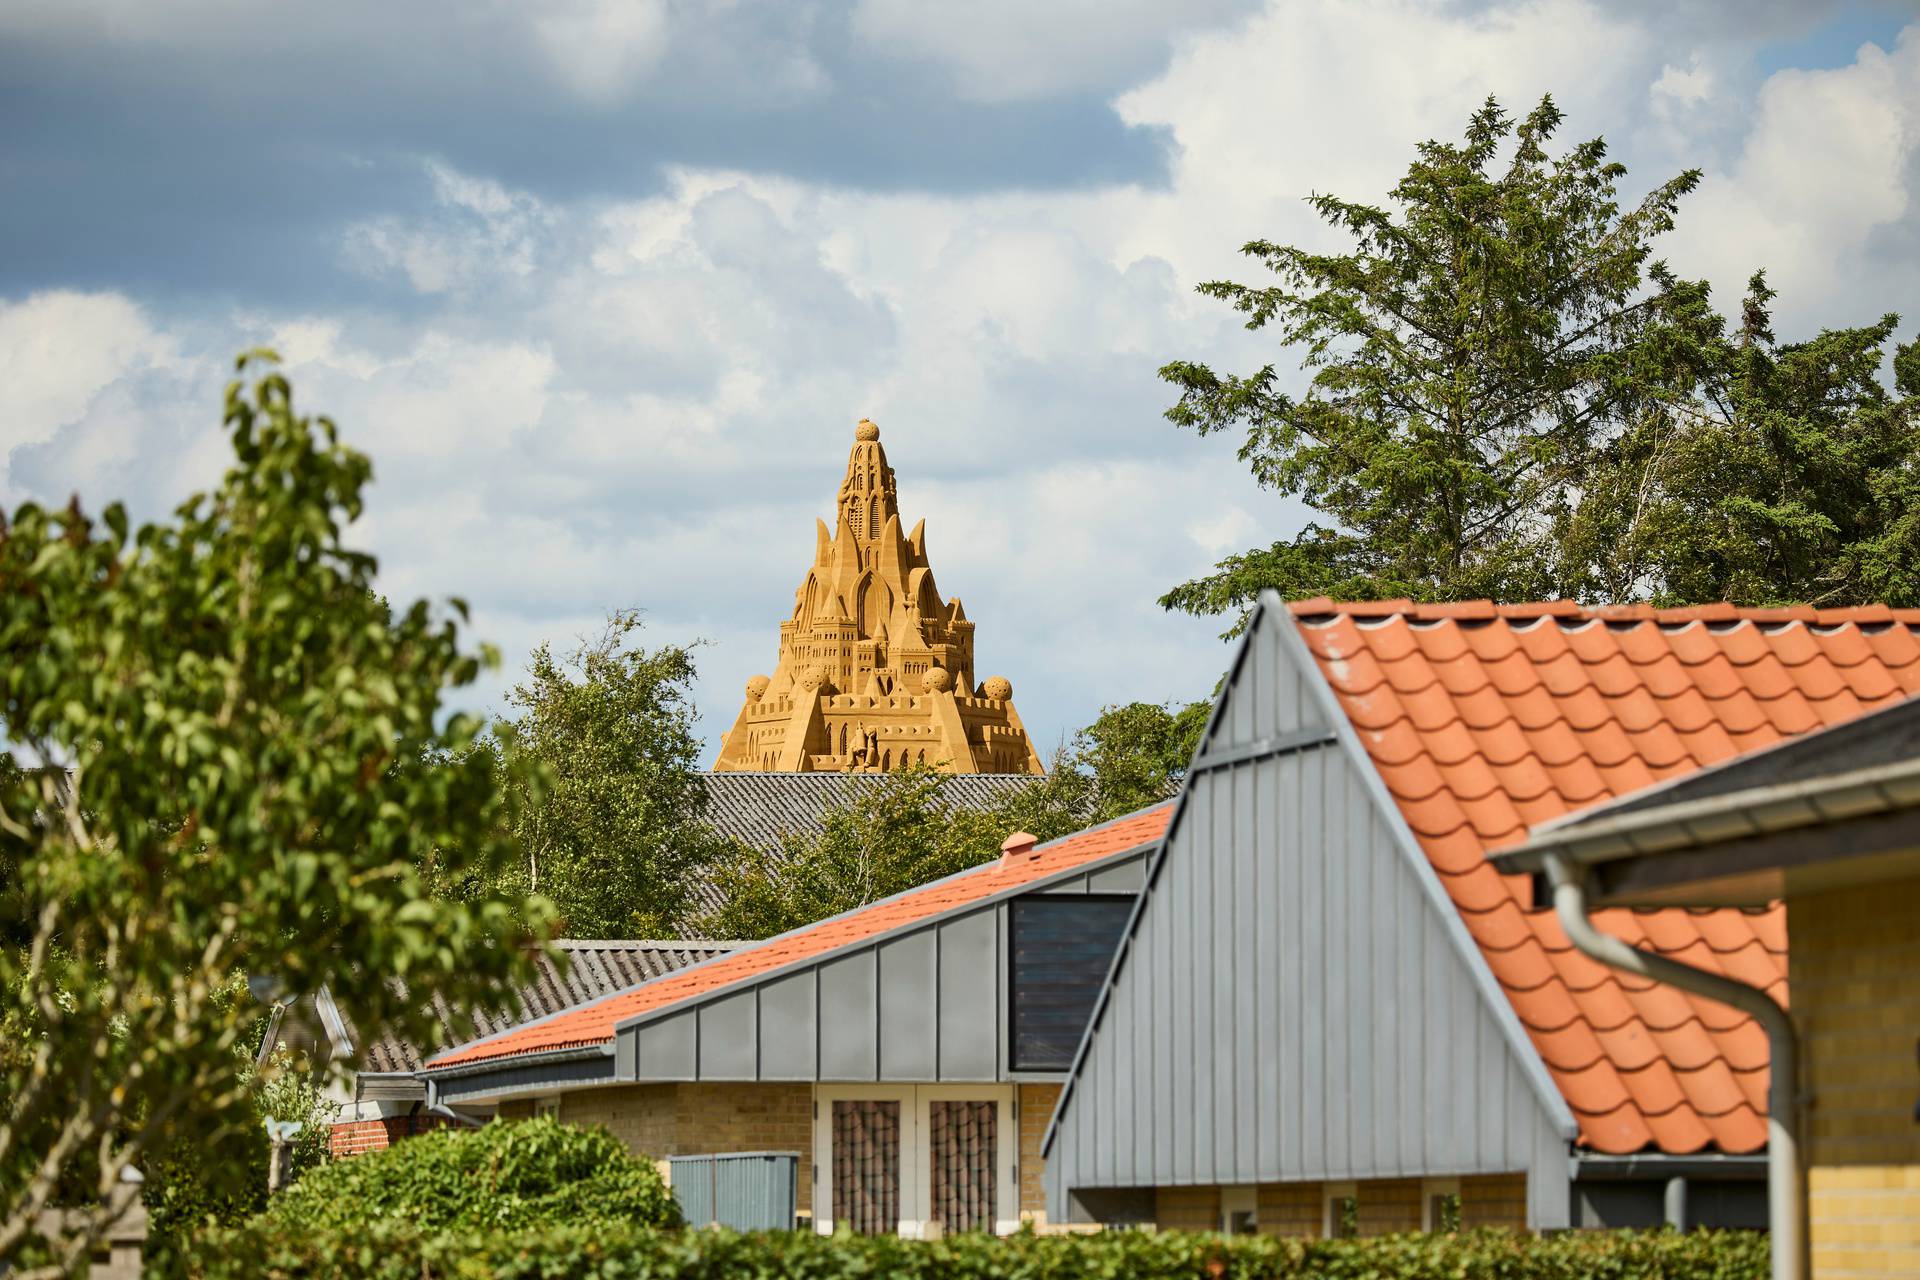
(590, 968)
(761, 809)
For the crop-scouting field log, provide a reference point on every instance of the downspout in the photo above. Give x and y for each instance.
(1786, 1192)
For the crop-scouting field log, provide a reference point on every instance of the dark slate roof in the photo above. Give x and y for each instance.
(758, 809)
(592, 968)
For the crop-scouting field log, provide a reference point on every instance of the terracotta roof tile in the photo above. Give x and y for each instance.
(1633, 773)
(1895, 646)
(1685, 1129)
(1794, 644)
(1636, 709)
(1400, 741)
(1391, 641)
(1570, 706)
(1744, 644)
(1452, 743)
(1440, 643)
(1501, 929)
(1843, 646)
(1584, 708)
(593, 1023)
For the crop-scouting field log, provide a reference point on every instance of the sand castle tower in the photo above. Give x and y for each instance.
(875, 670)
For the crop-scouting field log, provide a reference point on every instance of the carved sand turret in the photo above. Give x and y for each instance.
(876, 670)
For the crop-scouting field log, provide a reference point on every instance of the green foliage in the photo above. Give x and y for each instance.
(193, 1180)
(900, 829)
(504, 1177)
(1508, 398)
(1463, 357)
(396, 1252)
(239, 761)
(1791, 476)
(1137, 754)
(603, 758)
(892, 832)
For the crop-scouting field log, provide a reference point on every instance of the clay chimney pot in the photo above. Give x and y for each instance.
(1017, 845)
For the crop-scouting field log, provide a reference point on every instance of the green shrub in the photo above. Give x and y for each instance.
(397, 1251)
(501, 1178)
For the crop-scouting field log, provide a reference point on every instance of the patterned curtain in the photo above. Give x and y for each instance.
(964, 1180)
(866, 1166)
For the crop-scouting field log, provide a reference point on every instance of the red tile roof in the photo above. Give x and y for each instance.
(593, 1024)
(1485, 720)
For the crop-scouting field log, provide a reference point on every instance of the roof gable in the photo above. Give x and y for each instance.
(1295, 998)
(1484, 721)
(596, 1022)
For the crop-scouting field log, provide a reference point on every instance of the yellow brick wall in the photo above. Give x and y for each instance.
(641, 1115)
(660, 1120)
(1854, 973)
(1493, 1200)
(1187, 1208)
(1036, 1109)
(1291, 1209)
(1388, 1205)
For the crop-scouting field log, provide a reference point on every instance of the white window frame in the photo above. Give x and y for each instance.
(547, 1105)
(1330, 1193)
(1239, 1200)
(916, 1123)
(1429, 1188)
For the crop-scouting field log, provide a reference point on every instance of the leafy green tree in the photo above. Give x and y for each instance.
(897, 830)
(236, 760)
(1138, 754)
(194, 1180)
(1483, 332)
(1791, 474)
(604, 760)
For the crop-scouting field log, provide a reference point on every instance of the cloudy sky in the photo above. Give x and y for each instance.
(603, 285)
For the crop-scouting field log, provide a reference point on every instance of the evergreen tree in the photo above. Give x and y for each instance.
(1465, 357)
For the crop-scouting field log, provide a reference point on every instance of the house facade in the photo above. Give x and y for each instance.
(1332, 1013)
(909, 1052)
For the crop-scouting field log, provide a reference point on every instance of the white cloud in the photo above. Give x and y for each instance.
(1832, 161)
(1007, 50)
(602, 48)
(646, 403)
(482, 233)
(58, 351)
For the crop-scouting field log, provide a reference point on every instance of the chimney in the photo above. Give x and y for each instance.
(1017, 846)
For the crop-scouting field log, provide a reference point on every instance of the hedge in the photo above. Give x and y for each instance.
(392, 1251)
(497, 1178)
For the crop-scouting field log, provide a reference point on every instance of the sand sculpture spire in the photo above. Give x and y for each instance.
(875, 670)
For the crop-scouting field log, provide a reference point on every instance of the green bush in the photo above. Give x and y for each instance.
(397, 1251)
(501, 1178)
